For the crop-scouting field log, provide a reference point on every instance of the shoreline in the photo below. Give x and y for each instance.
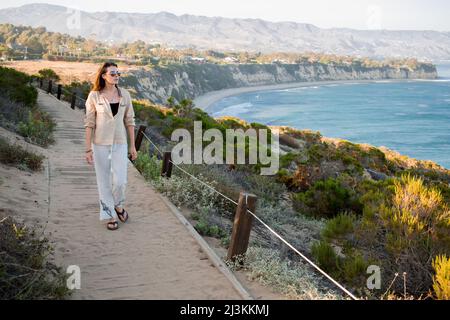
(205, 101)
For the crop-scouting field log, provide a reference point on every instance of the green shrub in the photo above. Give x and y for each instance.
(441, 279)
(206, 229)
(25, 270)
(414, 214)
(311, 137)
(326, 198)
(352, 270)
(81, 89)
(225, 241)
(325, 256)
(356, 157)
(405, 225)
(339, 225)
(264, 187)
(195, 216)
(15, 86)
(257, 125)
(147, 112)
(149, 167)
(286, 159)
(38, 128)
(352, 163)
(232, 122)
(48, 74)
(317, 152)
(16, 156)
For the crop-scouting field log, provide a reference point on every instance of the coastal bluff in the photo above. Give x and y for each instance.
(188, 81)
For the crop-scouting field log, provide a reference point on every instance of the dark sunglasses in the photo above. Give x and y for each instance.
(115, 73)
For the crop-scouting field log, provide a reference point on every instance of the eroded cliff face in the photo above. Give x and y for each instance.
(191, 80)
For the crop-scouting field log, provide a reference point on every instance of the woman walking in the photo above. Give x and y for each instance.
(109, 115)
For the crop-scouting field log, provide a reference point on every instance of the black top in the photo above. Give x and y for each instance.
(114, 108)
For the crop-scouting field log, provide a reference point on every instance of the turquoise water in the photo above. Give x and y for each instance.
(411, 117)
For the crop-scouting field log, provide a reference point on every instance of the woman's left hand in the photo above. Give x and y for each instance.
(133, 153)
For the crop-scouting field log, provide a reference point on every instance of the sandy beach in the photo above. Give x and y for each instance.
(205, 101)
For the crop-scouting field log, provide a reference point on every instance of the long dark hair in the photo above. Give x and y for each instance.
(99, 83)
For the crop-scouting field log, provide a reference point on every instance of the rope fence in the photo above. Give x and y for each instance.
(245, 205)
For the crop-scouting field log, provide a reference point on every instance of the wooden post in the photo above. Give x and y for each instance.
(166, 170)
(139, 136)
(49, 90)
(242, 225)
(59, 91)
(72, 103)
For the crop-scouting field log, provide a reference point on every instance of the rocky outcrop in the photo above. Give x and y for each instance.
(191, 80)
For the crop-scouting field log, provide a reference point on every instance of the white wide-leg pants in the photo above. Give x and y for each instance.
(111, 163)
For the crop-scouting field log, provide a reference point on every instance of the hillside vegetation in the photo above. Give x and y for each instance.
(26, 268)
(346, 205)
(16, 42)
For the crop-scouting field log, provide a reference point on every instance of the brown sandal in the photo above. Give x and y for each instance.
(121, 215)
(112, 225)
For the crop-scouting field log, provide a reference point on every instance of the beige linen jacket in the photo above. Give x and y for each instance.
(109, 129)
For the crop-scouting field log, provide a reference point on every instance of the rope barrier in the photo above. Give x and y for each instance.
(152, 143)
(265, 225)
(207, 185)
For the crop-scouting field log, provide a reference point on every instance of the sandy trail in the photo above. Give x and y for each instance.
(152, 256)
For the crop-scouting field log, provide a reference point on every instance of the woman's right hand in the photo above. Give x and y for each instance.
(89, 157)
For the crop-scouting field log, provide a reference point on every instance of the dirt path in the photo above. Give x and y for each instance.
(153, 256)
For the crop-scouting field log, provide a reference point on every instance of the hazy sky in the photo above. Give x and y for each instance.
(357, 14)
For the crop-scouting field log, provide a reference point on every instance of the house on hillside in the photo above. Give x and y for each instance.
(198, 60)
(231, 60)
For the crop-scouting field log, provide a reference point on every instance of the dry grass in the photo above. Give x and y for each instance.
(295, 280)
(68, 71)
(15, 155)
(26, 272)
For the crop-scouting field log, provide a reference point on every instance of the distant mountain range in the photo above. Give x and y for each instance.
(219, 33)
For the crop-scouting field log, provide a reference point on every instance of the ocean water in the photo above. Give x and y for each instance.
(411, 117)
